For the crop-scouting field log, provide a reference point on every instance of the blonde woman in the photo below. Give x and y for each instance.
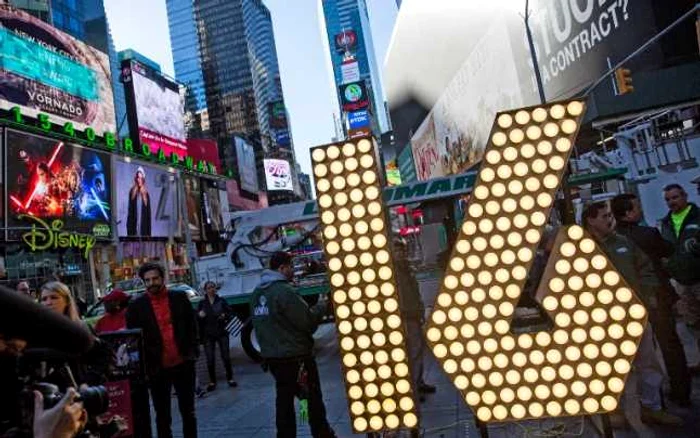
(58, 297)
(91, 368)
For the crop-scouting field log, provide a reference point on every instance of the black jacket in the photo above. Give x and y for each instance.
(138, 226)
(140, 315)
(684, 263)
(213, 324)
(649, 240)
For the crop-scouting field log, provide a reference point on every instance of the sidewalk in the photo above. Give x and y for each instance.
(249, 410)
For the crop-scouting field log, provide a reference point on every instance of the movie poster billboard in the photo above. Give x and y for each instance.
(160, 111)
(193, 204)
(146, 200)
(247, 170)
(212, 216)
(52, 179)
(44, 70)
(278, 175)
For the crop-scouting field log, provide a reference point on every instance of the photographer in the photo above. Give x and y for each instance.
(65, 419)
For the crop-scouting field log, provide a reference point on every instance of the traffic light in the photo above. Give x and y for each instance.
(623, 78)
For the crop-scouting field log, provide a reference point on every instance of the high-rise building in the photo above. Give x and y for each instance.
(351, 17)
(242, 86)
(186, 53)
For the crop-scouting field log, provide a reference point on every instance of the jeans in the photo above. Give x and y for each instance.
(210, 351)
(286, 373)
(650, 373)
(415, 346)
(182, 377)
(673, 353)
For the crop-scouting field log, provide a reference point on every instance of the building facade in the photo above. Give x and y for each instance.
(241, 77)
(353, 16)
(185, 46)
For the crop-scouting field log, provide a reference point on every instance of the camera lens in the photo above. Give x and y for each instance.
(95, 400)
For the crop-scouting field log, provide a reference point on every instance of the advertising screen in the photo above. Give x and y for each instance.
(56, 180)
(278, 175)
(160, 111)
(278, 115)
(354, 96)
(246, 165)
(213, 213)
(146, 200)
(204, 150)
(358, 119)
(43, 70)
(346, 40)
(193, 203)
(350, 71)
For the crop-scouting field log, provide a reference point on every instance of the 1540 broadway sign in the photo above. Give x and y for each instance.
(45, 236)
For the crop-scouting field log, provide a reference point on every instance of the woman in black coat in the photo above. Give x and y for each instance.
(213, 313)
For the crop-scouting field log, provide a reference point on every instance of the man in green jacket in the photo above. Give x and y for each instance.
(284, 326)
(636, 268)
(681, 227)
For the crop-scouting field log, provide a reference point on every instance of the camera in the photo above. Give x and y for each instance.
(95, 399)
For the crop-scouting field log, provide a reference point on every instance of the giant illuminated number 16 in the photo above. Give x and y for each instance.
(578, 368)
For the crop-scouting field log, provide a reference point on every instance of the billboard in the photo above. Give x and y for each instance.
(278, 175)
(237, 202)
(349, 71)
(204, 150)
(146, 200)
(160, 111)
(282, 138)
(278, 115)
(345, 40)
(245, 154)
(56, 180)
(193, 204)
(354, 96)
(358, 119)
(212, 208)
(43, 70)
(357, 133)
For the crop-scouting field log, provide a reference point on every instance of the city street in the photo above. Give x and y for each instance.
(249, 410)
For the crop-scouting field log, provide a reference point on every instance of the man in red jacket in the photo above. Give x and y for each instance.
(114, 318)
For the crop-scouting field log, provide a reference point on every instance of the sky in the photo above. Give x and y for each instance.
(142, 25)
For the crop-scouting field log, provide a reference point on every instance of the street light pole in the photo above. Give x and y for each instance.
(533, 53)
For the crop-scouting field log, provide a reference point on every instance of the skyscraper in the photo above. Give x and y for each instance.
(240, 69)
(343, 16)
(185, 46)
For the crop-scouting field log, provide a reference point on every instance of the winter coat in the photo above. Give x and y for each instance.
(213, 324)
(284, 324)
(684, 264)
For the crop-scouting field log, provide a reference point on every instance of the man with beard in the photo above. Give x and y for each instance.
(171, 347)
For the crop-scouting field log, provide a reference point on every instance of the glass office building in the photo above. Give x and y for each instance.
(346, 15)
(186, 53)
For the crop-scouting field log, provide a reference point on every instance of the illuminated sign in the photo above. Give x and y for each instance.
(580, 366)
(354, 96)
(46, 125)
(358, 119)
(363, 287)
(51, 237)
(346, 40)
(349, 71)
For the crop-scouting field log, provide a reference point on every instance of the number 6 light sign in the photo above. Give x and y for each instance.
(578, 368)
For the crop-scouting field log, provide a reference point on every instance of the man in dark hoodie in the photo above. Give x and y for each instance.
(284, 326)
(628, 214)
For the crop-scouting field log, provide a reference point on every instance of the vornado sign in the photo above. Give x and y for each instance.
(577, 368)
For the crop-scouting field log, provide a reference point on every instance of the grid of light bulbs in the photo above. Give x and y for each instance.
(363, 289)
(578, 368)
